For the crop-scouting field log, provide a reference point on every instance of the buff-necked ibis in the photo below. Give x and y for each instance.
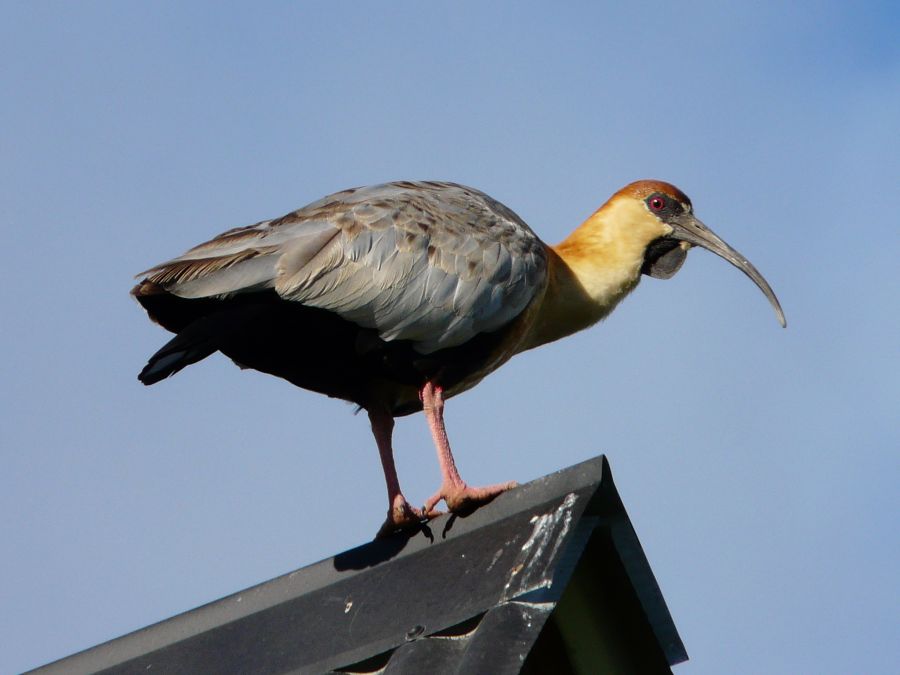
(398, 296)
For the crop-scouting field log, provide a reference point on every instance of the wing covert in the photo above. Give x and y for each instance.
(435, 263)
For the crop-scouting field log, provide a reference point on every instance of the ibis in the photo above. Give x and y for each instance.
(396, 297)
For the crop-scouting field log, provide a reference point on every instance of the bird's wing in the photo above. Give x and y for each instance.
(434, 263)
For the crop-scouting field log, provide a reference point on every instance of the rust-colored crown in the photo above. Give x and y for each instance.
(641, 189)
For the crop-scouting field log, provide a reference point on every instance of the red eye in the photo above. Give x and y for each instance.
(657, 203)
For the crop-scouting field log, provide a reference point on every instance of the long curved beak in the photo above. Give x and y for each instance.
(690, 230)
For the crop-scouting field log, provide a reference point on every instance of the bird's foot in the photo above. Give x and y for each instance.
(462, 499)
(402, 516)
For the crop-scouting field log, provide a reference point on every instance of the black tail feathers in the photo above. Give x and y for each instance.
(178, 353)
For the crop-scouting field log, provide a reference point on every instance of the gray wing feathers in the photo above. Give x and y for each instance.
(250, 275)
(434, 263)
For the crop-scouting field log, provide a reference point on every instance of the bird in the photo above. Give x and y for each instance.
(398, 296)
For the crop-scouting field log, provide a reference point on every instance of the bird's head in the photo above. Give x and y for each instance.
(660, 217)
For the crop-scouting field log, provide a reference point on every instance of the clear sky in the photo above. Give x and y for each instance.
(760, 466)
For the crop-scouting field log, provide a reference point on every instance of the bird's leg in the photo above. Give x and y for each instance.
(458, 496)
(400, 513)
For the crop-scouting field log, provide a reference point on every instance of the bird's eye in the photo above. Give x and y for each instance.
(656, 203)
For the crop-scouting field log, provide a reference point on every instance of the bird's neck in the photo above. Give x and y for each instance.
(590, 273)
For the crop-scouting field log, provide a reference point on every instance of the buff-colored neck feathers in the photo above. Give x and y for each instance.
(595, 267)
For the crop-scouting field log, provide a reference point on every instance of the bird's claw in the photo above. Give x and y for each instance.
(462, 499)
(402, 516)
(459, 497)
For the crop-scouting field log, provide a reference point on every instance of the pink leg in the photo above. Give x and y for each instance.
(456, 494)
(400, 513)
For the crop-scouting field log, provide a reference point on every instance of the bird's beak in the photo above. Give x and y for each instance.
(691, 231)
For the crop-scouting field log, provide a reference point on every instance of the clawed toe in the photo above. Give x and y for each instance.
(402, 516)
(462, 499)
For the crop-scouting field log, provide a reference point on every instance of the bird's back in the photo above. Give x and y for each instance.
(359, 295)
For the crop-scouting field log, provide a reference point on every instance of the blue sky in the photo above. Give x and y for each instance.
(760, 466)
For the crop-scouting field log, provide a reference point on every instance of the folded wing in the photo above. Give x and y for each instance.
(433, 263)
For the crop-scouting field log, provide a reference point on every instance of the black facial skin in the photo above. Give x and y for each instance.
(663, 257)
(663, 206)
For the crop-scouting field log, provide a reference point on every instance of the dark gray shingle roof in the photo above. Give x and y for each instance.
(550, 574)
